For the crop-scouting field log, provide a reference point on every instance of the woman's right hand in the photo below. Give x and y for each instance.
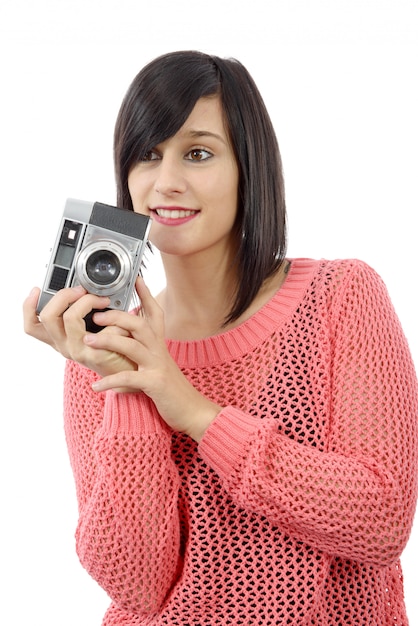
(62, 326)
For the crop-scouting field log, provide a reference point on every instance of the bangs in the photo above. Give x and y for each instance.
(158, 102)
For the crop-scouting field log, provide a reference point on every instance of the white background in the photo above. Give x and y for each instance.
(340, 81)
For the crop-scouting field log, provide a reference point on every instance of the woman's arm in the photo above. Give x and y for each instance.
(127, 487)
(120, 448)
(357, 498)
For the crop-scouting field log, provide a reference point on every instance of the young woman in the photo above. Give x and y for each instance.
(245, 447)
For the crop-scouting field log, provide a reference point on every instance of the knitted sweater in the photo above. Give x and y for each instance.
(297, 503)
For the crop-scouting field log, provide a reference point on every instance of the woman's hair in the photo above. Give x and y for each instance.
(157, 104)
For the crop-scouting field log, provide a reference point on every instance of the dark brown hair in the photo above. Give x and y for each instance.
(158, 102)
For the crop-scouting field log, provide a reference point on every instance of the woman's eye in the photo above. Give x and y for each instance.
(198, 154)
(150, 156)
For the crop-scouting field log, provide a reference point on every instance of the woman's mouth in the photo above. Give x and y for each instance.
(172, 215)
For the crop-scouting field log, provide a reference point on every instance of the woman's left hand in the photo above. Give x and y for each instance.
(157, 375)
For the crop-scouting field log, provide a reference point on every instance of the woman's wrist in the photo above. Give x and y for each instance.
(205, 418)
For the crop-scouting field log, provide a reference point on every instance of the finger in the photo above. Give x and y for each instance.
(114, 342)
(148, 302)
(75, 313)
(63, 317)
(120, 319)
(115, 330)
(137, 328)
(30, 317)
(60, 302)
(71, 327)
(123, 382)
(31, 322)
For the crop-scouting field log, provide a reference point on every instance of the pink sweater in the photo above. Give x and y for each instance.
(296, 505)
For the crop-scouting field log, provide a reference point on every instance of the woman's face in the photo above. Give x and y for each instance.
(188, 184)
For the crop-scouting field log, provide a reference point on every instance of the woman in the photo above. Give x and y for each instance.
(245, 447)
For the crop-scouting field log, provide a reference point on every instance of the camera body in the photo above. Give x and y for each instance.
(99, 247)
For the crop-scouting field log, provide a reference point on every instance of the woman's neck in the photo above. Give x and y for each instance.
(199, 296)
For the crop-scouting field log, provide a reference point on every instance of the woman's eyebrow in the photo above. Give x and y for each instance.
(205, 133)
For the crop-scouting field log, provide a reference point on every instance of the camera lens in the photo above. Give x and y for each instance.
(103, 267)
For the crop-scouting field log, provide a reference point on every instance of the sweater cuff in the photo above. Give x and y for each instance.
(227, 439)
(131, 413)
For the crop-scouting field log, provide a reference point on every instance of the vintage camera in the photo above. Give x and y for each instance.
(99, 247)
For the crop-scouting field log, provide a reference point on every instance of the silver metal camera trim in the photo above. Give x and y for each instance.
(80, 211)
(121, 280)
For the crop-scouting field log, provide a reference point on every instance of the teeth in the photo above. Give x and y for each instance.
(174, 214)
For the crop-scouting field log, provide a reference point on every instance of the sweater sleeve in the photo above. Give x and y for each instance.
(356, 497)
(127, 485)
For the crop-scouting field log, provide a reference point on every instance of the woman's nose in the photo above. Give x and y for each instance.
(170, 177)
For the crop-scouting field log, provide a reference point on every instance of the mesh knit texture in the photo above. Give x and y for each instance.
(297, 503)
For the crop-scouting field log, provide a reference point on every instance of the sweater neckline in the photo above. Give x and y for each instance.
(236, 342)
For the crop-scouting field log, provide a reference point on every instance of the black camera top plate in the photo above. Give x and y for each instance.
(119, 220)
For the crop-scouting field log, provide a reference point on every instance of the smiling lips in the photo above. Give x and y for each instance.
(173, 216)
